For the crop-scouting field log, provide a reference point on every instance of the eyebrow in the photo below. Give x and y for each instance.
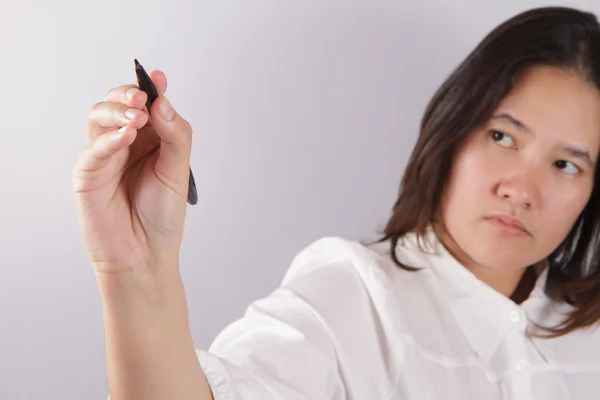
(582, 154)
(572, 151)
(512, 120)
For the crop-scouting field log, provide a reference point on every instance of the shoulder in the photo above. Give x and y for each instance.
(325, 332)
(334, 274)
(338, 260)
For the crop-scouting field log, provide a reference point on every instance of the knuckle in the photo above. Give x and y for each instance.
(110, 93)
(118, 93)
(107, 110)
(97, 106)
(105, 148)
(185, 137)
(187, 128)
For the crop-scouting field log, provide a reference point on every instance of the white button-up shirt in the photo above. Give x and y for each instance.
(347, 323)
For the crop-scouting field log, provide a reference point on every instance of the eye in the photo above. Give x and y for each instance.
(568, 167)
(502, 139)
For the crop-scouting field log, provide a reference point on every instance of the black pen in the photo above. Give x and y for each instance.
(145, 84)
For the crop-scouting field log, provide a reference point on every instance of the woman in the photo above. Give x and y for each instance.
(485, 284)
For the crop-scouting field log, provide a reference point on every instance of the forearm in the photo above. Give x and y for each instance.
(149, 349)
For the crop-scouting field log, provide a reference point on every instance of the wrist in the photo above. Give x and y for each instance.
(140, 291)
(149, 347)
(144, 310)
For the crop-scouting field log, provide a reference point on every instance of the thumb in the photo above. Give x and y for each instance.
(175, 134)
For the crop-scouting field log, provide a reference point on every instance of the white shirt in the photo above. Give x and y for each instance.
(347, 323)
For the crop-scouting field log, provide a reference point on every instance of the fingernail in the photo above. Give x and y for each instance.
(131, 113)
(166, 110)
(129, 93)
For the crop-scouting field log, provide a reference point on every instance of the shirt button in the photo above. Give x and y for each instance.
(521, 365)
(515, 317)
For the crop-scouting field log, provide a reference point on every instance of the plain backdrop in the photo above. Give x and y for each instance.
(304, 115)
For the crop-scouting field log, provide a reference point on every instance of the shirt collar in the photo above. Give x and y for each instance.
(483, 314)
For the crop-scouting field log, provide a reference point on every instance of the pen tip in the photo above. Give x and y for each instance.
(137, 64)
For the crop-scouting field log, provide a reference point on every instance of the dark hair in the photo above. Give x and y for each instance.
(554, 36)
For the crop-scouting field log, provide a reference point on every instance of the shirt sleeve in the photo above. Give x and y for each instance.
(318, 336)
(279, 350)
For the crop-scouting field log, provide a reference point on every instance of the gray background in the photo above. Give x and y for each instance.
(304, 115)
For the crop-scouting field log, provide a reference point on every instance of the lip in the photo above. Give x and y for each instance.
(509, 224)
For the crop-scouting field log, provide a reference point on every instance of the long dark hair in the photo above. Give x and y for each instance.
(555, 36)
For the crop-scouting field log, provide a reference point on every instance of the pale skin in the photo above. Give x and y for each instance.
(131, 192)
(534, 160)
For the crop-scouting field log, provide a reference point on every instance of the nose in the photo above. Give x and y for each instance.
(519, 191)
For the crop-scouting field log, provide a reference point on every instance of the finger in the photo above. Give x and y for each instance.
(98, 154)
(175, 147)
(108, 116)
(129, 95)
(160, 81)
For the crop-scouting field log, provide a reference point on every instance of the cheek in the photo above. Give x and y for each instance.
(562, 207)
(563, 200)
(559, 214)
(472, 176)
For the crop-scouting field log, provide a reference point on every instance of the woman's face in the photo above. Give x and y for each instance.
(519, 184)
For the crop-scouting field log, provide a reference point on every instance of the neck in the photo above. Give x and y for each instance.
(525, 286)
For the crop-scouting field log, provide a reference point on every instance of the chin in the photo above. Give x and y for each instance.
(502, 262)
(500, 253)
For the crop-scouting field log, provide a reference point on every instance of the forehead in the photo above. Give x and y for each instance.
(556, 104)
